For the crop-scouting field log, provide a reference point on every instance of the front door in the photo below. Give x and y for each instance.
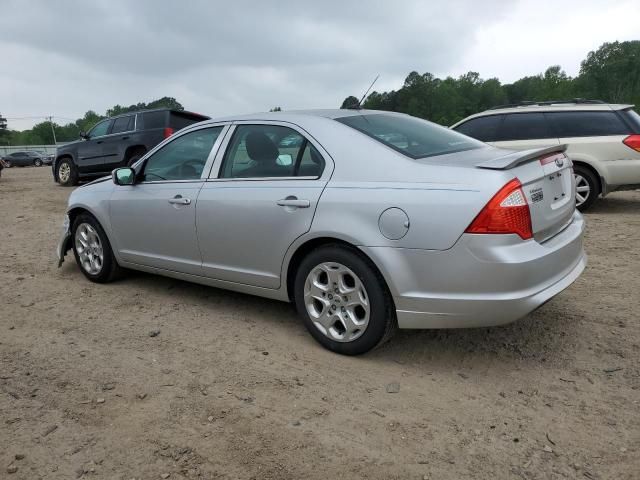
(154, 220)
(264, 197)
(91, 151)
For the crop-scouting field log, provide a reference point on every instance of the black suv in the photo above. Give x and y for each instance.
(117, 142)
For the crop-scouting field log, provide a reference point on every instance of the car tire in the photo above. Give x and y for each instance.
(587, 187)
(7, 163)
(336, 291)
(67, 173)
(92, 250)
(37, 162)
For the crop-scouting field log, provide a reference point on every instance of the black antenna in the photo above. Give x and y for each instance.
(358, 106)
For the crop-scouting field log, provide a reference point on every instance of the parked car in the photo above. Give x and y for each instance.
(24, 159)
(603, 140)
(47, 158)
(116, 142)
(362, 231)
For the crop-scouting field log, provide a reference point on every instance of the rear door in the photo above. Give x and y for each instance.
(262, 195)
(523, 131)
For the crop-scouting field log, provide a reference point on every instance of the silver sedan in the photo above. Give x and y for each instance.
(367, 221)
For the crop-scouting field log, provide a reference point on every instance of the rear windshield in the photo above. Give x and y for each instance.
(410, 136)
(180, 120)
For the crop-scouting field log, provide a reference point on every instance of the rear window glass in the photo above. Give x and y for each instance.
(154, 119)
(179, 120)
(123, 124)
(587, 124)
(410, 136)
(524, 126)
(482, 128)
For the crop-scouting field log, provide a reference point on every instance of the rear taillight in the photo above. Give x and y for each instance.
(168, 131)
(506, 212)
(633, 141)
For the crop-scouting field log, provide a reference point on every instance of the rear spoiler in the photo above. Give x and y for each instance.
(516, 158)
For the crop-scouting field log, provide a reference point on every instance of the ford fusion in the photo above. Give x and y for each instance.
(367, 221)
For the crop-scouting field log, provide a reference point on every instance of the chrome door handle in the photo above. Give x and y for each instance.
(178, 200)
(294, 202)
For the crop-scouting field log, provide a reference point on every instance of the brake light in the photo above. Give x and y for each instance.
(633, 141)
(506, 212)
(168, 131)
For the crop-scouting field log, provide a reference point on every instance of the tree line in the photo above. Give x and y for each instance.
(42, 133)
(611, 73)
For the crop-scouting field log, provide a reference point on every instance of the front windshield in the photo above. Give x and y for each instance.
(410, 136)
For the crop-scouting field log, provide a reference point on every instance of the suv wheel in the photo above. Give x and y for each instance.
(37, 162)
(67, 173)
(343, 301)
(586, 188)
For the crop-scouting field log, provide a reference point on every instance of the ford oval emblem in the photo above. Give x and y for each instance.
(559, 162)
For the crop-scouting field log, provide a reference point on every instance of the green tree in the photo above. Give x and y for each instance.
(349, 102)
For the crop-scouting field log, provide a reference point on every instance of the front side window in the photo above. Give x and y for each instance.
(261, 151)
(100, 129)
(182, 159)
(587, 124)
(524, 126)
(123, 124)
(410, 136)
(484, 129)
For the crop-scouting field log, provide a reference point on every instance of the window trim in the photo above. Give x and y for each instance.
(216, 170)
(210, 158)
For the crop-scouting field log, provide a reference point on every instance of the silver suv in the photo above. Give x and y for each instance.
(603, 139)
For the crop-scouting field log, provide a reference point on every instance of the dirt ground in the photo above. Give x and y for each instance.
(233, 387)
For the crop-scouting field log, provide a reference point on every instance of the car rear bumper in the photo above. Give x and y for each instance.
(483, 280)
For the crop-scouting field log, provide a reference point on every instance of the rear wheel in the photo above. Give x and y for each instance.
(343, 301)
(37, 162)
(586, 187)
(134, 158)
(7, 163)
(67, 172)
(92, 250)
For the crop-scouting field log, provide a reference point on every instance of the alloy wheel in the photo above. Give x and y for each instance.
(337, 302)
(64, 172)
(583, 190)
(89, 248)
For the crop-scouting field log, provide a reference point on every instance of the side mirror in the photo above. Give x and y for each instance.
(84, 135)
(123, 176)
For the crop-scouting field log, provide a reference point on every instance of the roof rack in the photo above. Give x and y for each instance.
(527, 103)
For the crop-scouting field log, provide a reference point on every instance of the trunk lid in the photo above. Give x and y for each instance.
(547, 180)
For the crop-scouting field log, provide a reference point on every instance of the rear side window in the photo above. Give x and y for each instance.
(484, 129)
(154, 119)
(123, 124)
(178, 121)
(587, 124)
(410, 136)
(524, 126)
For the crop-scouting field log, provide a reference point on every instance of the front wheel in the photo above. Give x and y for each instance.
(93, 251)
(586, 188)
(343, 300)
(7, 163)
(67, 173)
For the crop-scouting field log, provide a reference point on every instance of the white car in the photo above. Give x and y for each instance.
(603, 139)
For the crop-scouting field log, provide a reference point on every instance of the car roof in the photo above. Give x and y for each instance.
(553, 107)
(296, 115)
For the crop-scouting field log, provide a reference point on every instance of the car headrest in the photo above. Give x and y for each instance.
(261, 148)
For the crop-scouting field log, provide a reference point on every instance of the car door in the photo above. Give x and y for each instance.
(91, 152)
(263, 194)
(523, 131)
(115, 144)
(154, 220)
